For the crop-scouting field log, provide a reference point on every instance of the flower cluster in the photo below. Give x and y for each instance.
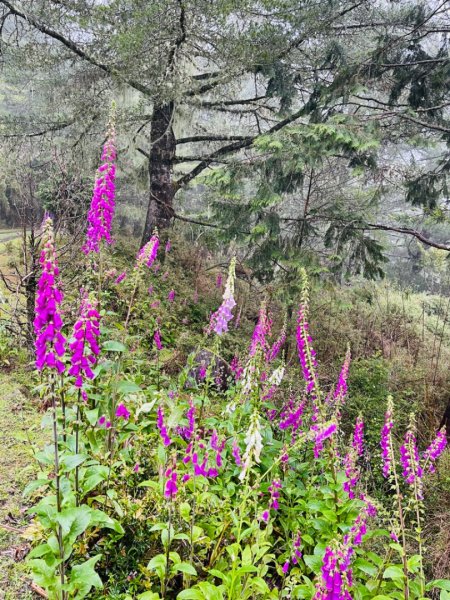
(157, 339)
(261, 331)
(220, 319)
(435, 449)
(84, 347)
(236, 452)
(273, 352)
(102, 208)
(253, 441)
(296, 553)
(410, 460)
(236, 367)
(306, 352)
(122, 412)
(50, 342)
(291, 415)
(341, 388)
(274, 491)
(120, 277)
(358, 436)
(171, 488)
(148, 253)
(103, 422)
(336, 573)
(188, 432)
(320, 434)
(386, 441)
(162, 427)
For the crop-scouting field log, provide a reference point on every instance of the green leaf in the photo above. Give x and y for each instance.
(157, 561)
(44, 575)
(39, 551)
(70, 462)
(149, 596)
(185, 568)
(442, 584)
(83, 578)
(191, 594)
(35, 485)
(314, 562)
(128, 387)
(366, 567)
(185, 511)
(101, 519)
(414, 563)
(393, 572)
(114, 346)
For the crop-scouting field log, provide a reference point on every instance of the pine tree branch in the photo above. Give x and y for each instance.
(233, 147)
(211, 138)
(73, 47)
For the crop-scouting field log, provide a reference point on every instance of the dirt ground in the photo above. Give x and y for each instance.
(19, 425)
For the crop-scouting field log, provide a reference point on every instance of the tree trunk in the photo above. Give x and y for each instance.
(162, 154)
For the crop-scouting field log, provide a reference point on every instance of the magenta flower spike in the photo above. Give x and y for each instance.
(162, 427)
(102, 208)
(306, 353)
(157, 339)
(277, 345)
(84, 347)
(341, 389)
(50, 342)
(435, 449)
(148, 253)
(320, 435)
(274, 490)
(220, 319)
(171, 488)
(236, 367)
(410, 460)
(171, 296)
(237, 454)
(120, 278)
(261, 331)
(358, 436)
(386, 442)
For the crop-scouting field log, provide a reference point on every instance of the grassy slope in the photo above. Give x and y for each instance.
(18, 420)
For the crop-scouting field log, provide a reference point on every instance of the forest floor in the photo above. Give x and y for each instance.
(19, 425)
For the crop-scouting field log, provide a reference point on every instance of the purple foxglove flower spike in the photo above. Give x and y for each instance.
(84, 347)
(320, 435)
(435, 449)
(341, 389)
(157, 339)
(148, 253)
(162, 427)
(386, 440)
(171, 488)
(220, 319)
(50, 342)
(261, 331)
(102, 208)
(410, 461)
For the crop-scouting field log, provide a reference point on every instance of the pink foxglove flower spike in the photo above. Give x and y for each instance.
(50, 342)
(102, 208)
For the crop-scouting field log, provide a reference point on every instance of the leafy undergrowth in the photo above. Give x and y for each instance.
(19, 428)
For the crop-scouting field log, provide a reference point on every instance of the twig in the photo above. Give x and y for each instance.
(38, 590)
(11, 529)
